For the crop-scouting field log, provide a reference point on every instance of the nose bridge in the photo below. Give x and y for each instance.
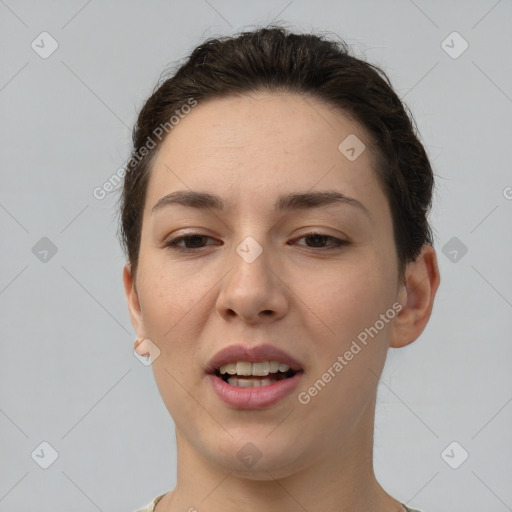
(250, 250)
(251, 263)
(250, 235)
(252, 286)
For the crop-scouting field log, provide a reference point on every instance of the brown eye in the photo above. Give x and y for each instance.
(319, 239)
(192, 242)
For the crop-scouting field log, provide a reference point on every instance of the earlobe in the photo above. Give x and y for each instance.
(417, 295)
(132, 299)
(142, 347)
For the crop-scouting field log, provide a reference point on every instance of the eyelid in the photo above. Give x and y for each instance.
(173, 241)
(338, 242)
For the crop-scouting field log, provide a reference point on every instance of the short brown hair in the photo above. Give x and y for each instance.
(273, 58)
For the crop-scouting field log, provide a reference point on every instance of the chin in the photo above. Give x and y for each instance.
(257, 457)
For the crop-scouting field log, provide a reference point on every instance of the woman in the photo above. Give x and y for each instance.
(274, 217)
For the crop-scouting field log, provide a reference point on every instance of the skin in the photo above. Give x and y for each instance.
(307, 300)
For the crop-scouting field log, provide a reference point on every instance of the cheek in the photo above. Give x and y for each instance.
(347, 304)
(170, 298)
(348, 298)
(171, 305)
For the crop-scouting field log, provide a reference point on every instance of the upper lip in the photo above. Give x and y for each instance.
(255, 354)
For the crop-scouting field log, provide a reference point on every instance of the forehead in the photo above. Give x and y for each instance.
(258, 144)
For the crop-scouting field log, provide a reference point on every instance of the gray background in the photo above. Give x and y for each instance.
(68, 375)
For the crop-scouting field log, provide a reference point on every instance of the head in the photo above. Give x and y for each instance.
(254, 119)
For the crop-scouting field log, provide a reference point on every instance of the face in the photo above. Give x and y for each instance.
(252, 274)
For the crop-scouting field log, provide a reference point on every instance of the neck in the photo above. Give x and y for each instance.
(337, 479)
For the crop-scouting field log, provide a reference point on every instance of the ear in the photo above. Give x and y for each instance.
(135, 310)
(416, 296)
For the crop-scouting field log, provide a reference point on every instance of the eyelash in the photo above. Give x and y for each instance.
(172, 244)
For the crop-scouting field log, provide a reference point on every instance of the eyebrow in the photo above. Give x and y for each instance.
(285, 203)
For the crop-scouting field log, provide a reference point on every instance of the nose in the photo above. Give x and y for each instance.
(254, 289)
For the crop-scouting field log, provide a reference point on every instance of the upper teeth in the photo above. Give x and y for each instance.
(246, 368)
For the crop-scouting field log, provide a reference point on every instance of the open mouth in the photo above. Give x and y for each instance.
(249, 375)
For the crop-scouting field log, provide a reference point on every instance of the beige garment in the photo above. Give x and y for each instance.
(150, 507)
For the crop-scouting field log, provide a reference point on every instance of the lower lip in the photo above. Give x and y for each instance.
(256, 397)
